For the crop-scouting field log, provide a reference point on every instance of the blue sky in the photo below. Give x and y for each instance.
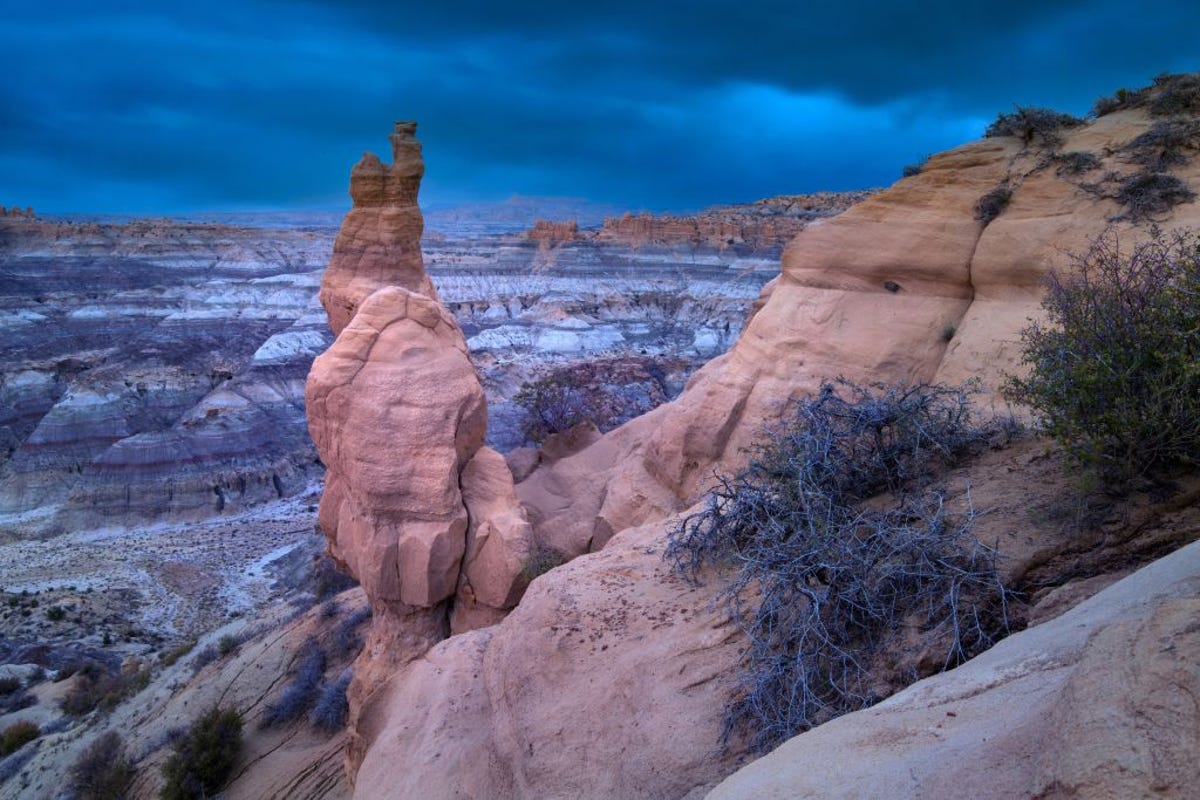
(162, 107)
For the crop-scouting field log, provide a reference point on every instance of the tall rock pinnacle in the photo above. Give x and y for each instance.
(379, 243)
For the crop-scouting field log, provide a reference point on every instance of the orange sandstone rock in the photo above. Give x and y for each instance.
(379, 243)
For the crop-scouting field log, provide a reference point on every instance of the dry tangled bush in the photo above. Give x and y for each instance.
(1148, 194)
(992, 204)
(1170, 94)
(1112, 372)
(1166, 144)
(825, 589)
(1029, 124)
(303, 690)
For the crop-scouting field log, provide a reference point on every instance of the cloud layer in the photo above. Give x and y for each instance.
(134, 107)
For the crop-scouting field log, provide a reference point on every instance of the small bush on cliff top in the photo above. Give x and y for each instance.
(1114, 371)
(1029, 123)
(1169, 95)
(203, 758)
(823, 588)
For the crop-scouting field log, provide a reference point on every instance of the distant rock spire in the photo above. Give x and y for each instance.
(379, 243)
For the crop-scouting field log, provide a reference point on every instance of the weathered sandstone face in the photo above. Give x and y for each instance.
(396, 411)
(1095, 703)
(380, 240)
(608, 680)
(605, 680)
(905, 285)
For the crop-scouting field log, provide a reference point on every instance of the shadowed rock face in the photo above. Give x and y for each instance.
(153, 370)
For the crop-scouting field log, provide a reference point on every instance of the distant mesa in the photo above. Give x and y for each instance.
(16, 212)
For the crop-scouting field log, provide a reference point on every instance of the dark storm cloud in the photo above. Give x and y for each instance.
(141, 106)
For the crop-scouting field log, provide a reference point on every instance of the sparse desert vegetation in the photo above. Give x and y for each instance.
(1112, 371)
(203, 758)
(822, 586)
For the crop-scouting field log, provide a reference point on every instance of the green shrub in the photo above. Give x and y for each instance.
(227, 644)
(204, 757)
(17, 735)
(824, 588)
(56, 613)
(1114, 371)
(1029, 123)
(103, 770)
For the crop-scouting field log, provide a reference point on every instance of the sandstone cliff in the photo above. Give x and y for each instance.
(608, 660)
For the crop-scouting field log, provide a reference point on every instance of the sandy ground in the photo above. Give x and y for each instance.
(137, 590)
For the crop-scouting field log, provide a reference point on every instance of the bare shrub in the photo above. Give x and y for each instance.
(821, 587)
(9, 685)
(1166, 144)
(1147, 194)
(915, 168)
(1029, 123)
(203, 758)
(346, 638)
(1112, 370)
(331, 709)
(103, 771)
(1170, 94)
(300, 694)
(992, 204)
(97, 687)
(1076, 163)
(606, 392)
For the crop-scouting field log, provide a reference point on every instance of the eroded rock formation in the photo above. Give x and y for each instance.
(415, 506)
(606, 678)
(380, 240)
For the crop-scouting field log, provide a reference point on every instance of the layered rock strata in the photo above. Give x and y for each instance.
(153, 370)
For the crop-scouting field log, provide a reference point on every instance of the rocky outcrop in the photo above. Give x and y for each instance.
(548, 232)
(415, 507)
(906, 285)
(379, 243)
(1098, 702)
(607, 680)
